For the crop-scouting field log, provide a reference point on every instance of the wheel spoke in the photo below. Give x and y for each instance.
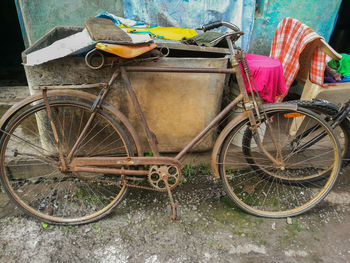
(31, 171)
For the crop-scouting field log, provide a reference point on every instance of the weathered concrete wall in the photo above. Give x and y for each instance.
(319, 15)
(37, 17)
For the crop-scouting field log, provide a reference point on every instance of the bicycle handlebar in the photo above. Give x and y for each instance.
(217, 24)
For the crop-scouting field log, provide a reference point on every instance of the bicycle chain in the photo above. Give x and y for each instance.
(122, 183)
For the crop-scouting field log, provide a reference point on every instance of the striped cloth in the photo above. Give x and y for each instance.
(290, 38)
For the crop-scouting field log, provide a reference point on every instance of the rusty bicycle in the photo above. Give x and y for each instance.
(69, 157)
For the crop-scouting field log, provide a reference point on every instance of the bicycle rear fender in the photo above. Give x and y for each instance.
(90, 98)
(232, 124)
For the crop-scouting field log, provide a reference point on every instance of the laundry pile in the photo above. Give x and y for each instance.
(338, 70)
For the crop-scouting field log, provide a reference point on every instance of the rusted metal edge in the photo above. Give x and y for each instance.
(123, 161)
(107, 170)
(176, 46)
(80, 86)
(180, 69)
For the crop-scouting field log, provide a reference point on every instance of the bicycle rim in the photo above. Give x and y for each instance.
(29, 164)
(262, 188)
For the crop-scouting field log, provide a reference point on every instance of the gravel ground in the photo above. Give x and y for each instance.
(211, 229)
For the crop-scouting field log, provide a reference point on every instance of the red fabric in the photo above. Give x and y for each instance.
(289, 41)
(268, 77)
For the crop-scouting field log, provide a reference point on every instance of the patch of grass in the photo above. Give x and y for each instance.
(69, 228)
(189, 170)
(149, 154)
(84, 194)
(97, 228)
(226, 211)
(203, 168)
(291, 232)
(182, 181)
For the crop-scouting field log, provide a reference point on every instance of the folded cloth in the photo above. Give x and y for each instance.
(346, 79)
(344, 65)
(330, 74)
(136, 27)
(333, 64)
(290, 39)
(267, 75)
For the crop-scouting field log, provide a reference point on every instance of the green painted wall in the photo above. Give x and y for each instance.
(320, 15)
(37, 17)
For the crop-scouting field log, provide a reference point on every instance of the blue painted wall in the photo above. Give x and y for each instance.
(38, 16)
(320, 15)
(194, 13)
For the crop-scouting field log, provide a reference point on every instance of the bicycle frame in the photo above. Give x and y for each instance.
(80, 164)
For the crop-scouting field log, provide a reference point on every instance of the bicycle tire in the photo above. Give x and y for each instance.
(329, 109)
(47, 194)
(264, 191)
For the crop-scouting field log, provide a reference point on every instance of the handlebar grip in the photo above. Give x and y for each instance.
(211, 25)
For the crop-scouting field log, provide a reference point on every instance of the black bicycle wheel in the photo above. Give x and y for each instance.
(329, 110)
(30, 163)
(263, 187)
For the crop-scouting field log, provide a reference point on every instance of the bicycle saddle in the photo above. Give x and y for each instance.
(126, 51)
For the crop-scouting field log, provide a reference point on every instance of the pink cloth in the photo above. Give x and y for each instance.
(268, 77)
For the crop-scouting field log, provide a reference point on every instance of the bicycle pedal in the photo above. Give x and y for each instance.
(173, 213)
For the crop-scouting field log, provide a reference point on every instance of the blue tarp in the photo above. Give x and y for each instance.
(193, 13)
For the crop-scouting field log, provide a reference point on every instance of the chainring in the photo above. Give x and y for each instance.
(158, 173)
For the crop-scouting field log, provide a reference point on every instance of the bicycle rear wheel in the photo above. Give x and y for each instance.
(30, 171)
(258, 185)
(329, 110)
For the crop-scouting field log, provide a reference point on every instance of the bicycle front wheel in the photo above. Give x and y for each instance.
(260, 186)
(30, 163)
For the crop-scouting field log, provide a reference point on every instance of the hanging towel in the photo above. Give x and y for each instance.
(290, 39)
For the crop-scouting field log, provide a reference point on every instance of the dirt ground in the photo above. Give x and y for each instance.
(211, 229)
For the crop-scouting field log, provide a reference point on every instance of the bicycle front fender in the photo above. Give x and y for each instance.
(75, 94)
(232, 124)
